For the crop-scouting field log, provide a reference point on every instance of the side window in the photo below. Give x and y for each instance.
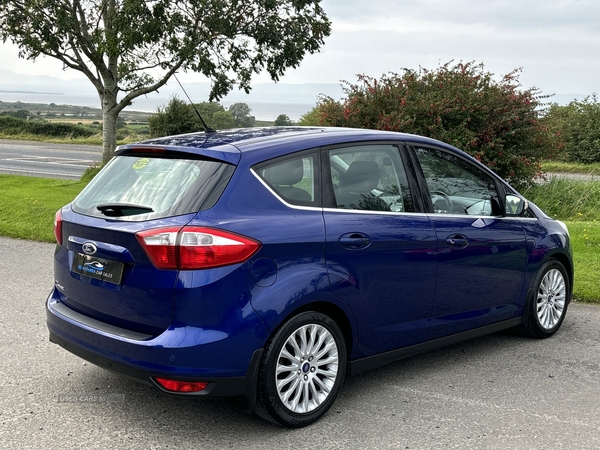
(457, 186)
(369, 177)
(293, 179)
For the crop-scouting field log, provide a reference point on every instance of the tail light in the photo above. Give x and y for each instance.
(58, 227)
(191, 248)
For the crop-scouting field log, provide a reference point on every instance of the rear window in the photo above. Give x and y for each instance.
(142, 188)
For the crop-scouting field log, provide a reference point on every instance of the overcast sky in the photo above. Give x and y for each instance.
(555, 42)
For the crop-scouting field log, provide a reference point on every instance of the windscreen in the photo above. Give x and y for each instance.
(138, 188)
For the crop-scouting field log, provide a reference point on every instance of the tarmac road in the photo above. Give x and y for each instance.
(499, 392)
(43, 159)
(69, 161)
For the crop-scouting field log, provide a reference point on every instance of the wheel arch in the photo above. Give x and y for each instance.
(567, 264)
(336, 313)
(338, 316)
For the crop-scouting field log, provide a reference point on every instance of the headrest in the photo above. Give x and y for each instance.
(286, 174)
(361, 177)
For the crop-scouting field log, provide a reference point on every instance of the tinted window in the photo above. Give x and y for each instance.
(293, 179)
(142, 188)
(456, 186)
(369, 178)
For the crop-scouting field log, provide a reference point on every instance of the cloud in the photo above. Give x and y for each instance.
(556, 42)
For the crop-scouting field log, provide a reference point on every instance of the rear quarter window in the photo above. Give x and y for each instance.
(293, 179)
(142, 188)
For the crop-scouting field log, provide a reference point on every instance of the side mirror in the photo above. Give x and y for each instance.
(516, 206)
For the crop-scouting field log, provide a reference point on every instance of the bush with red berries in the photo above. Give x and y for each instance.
(496, 122)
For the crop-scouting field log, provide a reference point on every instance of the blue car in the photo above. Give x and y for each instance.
(266, 265)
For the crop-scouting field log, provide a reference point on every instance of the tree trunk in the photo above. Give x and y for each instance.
(109, 126)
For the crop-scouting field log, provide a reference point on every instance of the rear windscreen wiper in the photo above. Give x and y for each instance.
(122, 209)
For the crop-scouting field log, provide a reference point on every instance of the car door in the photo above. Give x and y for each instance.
(481, 253)
(380, 251)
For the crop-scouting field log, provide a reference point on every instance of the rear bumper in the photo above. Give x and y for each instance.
(229, 362)
(217, 387)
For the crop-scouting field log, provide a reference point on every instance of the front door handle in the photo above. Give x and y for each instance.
(457, 241)
(355, 241)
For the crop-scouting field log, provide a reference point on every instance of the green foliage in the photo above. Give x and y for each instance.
(131, 48)
(494, 121)
(178, 117)
(283, 121)
(215, 115)
(578, 126)
(310, 119)
(241, 115)
(571, 167)
(226, 40)
(566, 199)
(20, 114)
(89, 173)
(175, 118)
(13, 126)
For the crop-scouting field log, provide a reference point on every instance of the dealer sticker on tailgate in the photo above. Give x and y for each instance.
(98, 268)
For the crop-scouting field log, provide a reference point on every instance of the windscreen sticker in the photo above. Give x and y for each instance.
(140, 163)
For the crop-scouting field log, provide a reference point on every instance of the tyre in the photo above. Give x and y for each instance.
(548, 300)
(302, 370)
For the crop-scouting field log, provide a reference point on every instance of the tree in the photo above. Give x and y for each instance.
(578, 127)
(241, 115)
(309, 119)
(129, 48)
(175, 118)
(496, 122)
(20, 114)
(215, 115)
(283, 121)
(179, 117)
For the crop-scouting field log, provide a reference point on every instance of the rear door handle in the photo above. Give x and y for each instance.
(457, 241)
(355, 241)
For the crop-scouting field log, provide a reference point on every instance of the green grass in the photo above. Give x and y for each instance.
(577, 203)
(567, 199)
(28, 205)
(93, 140)
(571, 167)
(585, 237)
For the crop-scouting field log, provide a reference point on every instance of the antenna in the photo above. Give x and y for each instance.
(207, 129)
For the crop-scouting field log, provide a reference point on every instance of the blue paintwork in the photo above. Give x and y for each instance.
(394, 278)
(389, 285)
(480, 284)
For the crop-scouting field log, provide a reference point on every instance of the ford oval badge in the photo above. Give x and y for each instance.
(89, 248)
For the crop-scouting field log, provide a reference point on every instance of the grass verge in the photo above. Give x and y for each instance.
(567, 199)
(92, 140)
(571, 167)
(28, 206)
(585, 238)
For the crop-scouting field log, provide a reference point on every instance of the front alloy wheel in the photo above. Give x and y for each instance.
(303, 370)
(549, 300)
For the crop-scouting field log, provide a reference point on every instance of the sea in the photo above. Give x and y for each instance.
(261, 110)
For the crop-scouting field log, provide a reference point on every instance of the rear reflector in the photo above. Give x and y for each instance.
(181, 386)
(192, 248)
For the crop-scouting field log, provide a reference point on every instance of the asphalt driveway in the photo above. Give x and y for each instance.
(499, 392)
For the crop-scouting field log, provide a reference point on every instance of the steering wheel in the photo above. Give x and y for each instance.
(448, 203)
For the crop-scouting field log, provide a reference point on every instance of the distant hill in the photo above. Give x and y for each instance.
(267, 100)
